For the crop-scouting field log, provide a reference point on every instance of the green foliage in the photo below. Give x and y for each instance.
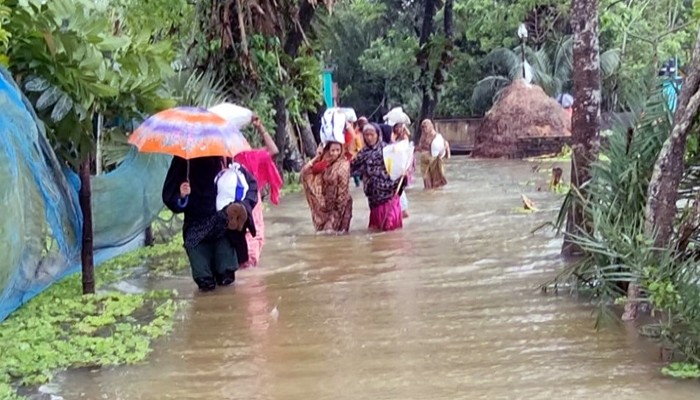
(303, 92)
(360, 38)
(372, 46)
(193, 88)
(552, 68)
(619, 250)
(647, 34)
(62, 329)
(72, 65)
(292, 183)
(5, 13)
(391, 60)
(160, 19)
(682, 371)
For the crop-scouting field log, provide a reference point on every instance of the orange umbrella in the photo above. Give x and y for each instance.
(189, 132)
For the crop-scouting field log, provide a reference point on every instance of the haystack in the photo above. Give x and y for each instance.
(523, 110)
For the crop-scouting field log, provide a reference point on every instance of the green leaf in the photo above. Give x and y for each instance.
(102, 90)
(113, 43)
(62, 107)
(36, 84)
(48, 98)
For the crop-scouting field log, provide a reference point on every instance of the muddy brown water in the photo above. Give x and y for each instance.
(447, 308)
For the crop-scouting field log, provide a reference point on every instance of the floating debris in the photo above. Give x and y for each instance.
(528, 204)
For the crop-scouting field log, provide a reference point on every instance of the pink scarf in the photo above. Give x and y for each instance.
(260, 164)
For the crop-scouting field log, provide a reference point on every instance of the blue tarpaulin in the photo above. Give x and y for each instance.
(41, 228)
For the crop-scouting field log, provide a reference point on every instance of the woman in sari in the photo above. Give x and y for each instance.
(382, 193)
(433, 149)
(401, 133)
(260, 164)
(326, 182)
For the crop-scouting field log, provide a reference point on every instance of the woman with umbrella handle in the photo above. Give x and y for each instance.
(200, 143)
(214, 237)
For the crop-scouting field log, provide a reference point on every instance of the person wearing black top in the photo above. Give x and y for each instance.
(214, 240)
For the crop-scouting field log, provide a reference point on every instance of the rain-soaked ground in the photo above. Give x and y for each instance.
(447, 308)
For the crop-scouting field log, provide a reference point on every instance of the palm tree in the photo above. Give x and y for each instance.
(550, 69)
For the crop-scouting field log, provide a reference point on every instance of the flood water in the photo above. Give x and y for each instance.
(447, 308)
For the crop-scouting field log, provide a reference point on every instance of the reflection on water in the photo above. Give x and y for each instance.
(447, 308)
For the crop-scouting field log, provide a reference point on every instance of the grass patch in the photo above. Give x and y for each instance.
(61, 328)
(292, 183)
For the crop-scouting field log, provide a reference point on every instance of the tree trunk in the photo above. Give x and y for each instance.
(306, 136)
(294, 38)
(446, 59)
(423, 58)
(660, 211)
(585, 122)
(86, 251)
(149, 240)
(280, 129)
(98, 145)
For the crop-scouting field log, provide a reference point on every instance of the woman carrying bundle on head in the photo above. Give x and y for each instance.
(382, 192)
(398, 120)
(326, 180)
(401, 133)
(433, 150)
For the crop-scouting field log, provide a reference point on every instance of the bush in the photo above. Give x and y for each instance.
(618, 250)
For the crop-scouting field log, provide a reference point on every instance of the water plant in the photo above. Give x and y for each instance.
(61, 329)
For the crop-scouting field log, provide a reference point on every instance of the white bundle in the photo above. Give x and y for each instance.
(398, 158)
(438, 146)
(231, 186)
(349, 114)
(333, 126)
(237, 115)
(397, 116)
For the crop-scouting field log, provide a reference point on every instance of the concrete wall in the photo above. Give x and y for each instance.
(459, 132)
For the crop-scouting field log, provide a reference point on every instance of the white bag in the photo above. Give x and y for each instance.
(397, 116)
(231, 186)
(333, 126)
(398, 158)
(438, 146)
(237, 115)
(349, 114)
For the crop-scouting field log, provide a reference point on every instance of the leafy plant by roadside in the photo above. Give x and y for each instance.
(61, 329)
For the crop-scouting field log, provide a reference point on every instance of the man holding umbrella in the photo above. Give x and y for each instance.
(201, 144)
(214, 239)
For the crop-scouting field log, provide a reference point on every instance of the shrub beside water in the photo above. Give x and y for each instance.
(61, 328)
(619, 251)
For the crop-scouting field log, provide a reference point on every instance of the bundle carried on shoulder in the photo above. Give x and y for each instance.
(231, 186)
(398, 158)
(438, 146)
